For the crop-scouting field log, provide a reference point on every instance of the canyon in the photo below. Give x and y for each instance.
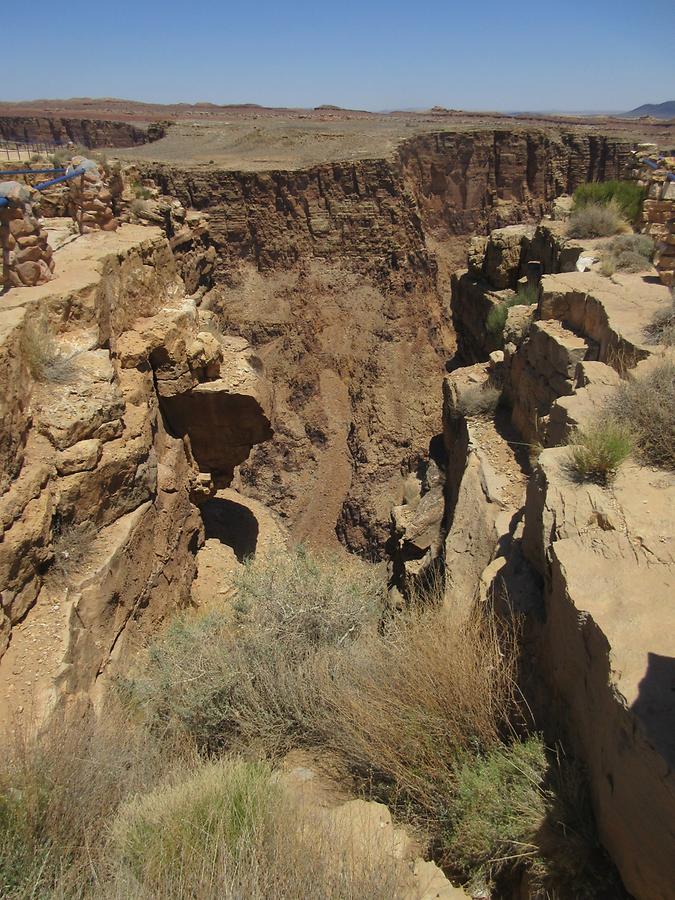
(261, 355)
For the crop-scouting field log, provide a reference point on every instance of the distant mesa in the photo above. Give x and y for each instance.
(664, 110)
(328, 106)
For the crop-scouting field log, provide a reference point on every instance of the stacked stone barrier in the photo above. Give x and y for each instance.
(90, 197)
(27, 256)
(657, 173)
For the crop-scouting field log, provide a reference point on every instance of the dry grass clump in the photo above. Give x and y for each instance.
(44, 359)
(404, 705)
(229, 830)
(597, 452)
(596, 220)
(56, 791)
(661, 329)
(646, 405)
(72, 546)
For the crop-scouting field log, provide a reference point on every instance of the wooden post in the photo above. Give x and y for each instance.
(4, 240)
(81, 222)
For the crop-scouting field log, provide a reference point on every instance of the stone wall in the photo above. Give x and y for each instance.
(30, 256)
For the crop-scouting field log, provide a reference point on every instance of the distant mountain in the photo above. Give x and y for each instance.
(656, 110)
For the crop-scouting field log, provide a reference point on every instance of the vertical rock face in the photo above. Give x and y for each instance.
(90, 132)
(468, 183)
(98, 511)
(327, 273)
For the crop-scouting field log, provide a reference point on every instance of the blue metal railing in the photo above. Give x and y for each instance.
(52, 181)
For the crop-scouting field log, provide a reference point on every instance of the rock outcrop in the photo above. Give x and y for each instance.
(588, 567)
(89, 132)
(99, 519)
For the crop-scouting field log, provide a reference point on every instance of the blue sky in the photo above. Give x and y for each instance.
(369, 55)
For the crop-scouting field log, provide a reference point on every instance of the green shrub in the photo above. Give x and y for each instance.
(186, 825)
(595, 220)
(646, 405)
(628, 197)
(527, 295)
(597, 452)
(498, 808)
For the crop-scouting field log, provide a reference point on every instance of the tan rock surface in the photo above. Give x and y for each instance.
(607, 557)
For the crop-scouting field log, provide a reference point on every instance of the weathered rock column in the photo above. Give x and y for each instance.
(91, 197)
(27, 257)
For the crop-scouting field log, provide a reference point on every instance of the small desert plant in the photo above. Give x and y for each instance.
(646, 405)
(59, 158)
(627, 253)
(141, 192)
(527, 295)
(478, 400)
(498, 808)
(595, 220)
(72, 546)
(597, 452)
(626, 196)
(47, 363)
(661, 329)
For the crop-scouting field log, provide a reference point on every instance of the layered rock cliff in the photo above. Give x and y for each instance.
(332, 273)
(113, 382)
(89, 132)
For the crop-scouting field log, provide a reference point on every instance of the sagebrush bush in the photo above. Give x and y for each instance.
(661, 329)
(595, 220)
(233, 684)
(646, 406)
(627, 253)
(627, 196)
(597, 451)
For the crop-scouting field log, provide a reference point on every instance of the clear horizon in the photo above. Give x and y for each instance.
(374, 56)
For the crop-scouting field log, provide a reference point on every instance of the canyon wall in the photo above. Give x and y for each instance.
(89, 132)
(114, 388)
(330, 275)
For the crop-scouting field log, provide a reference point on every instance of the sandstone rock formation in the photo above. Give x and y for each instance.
(589, 567)
(100, 526)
